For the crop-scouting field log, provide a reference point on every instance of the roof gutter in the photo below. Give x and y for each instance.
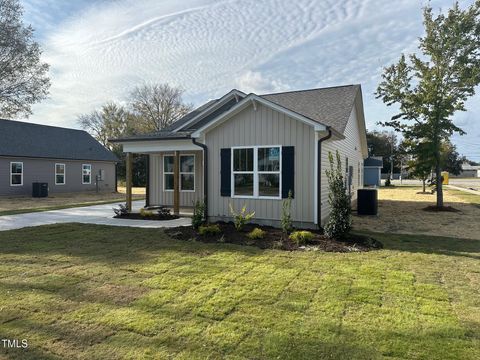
(205, 174)
(319, 177)
(148, 139)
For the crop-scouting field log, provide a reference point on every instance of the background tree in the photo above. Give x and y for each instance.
(451, 159)
(430, 88)
(384, 144)
(157, 106)
(23, 77)
(421, 161)
(115, 121)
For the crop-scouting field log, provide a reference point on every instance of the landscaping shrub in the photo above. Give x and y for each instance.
(198, 217)
(286, 219)
(209, 230)
(242, 217)
(301, 237)
(388, 182)
(339, 223)
(256, 233)
(146, 213)
(122, 210)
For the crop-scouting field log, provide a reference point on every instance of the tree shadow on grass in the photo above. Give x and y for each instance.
(107, 244)
(428, 244)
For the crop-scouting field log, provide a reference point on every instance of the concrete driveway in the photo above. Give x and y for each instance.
(96, 214)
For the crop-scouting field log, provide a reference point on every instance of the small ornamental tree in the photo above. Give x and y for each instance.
(430, 86)
(339, 223)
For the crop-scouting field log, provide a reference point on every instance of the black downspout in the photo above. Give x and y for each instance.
(147, 182)
(319, 177)
(205, 174)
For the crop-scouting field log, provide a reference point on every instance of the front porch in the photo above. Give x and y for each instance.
(175, 174)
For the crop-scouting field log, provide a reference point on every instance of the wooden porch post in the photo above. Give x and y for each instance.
(129, 180)
(176, 183)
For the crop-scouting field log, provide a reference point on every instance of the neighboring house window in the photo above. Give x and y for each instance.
(59, 174)
(16, 173)
(187, 172)
(256, 172)
(168, 163)
(86, 174)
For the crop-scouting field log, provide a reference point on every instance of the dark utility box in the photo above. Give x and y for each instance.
(367, 202)
(39, 189)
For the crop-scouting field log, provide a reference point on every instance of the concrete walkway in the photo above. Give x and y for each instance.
(470, 191)
(96, 214)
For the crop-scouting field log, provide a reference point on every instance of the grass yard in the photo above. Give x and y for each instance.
(11, 205)
(85, 291)
(400, 211)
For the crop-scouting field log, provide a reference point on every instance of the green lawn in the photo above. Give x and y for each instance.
(84, 291)
(468, 197)
(58, 207)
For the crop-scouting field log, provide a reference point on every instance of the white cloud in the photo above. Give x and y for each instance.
(254, 81)
(100, 50)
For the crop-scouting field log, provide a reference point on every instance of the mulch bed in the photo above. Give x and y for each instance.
(274, 239)
(138, 216)
(435, 208)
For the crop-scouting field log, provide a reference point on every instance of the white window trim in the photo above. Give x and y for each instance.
(256, 174)
(64, 174)
(180, 173)
(11, 174)
(89, 177)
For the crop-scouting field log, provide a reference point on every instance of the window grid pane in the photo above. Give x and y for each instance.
(243, 184)
(168, 163)
(168, 181)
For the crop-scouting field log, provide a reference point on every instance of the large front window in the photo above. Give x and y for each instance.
(256, 172)
(187, 172)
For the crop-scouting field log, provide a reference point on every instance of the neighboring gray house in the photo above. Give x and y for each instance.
(68, 160)
(253, 149)
(372, 171)
(468, 171)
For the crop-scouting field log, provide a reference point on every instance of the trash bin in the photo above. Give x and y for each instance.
(367, 202)
(39, 189)
(445, 177)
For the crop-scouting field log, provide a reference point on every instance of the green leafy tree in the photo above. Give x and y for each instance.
(429, 88)
(339, 222)
(23, 76)
(451, 159)
(421, 163)
(384, 144)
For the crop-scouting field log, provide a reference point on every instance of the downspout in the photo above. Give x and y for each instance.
(205, 173)
(319, 177)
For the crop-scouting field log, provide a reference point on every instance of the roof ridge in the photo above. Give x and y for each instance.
(319, 88)
(42, 125)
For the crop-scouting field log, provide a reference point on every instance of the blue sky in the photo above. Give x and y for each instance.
(100, 50)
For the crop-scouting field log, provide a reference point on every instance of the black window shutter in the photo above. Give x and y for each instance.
(225, 172)
(288, 171)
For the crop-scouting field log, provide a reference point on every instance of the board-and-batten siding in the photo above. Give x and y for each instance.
(160, 197)
(263, 126)
(349, 147)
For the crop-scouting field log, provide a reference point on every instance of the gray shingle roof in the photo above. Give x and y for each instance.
(189, 116)
(373, 161)
(328, 106)
(21, 139)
